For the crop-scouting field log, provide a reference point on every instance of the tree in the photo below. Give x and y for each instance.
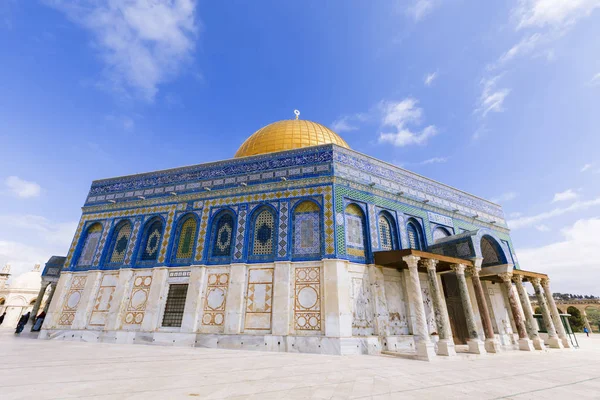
(576, 319)
(593, 316)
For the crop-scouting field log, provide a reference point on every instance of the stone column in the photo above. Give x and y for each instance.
(38, 302)
(234, 305)
(156, 299)
(491, 345)
(282, 298)
(193, 301)
(525, 343)
(379, 303)
(530, 322)
(560, 328)
(423, 344)
(553, 339)
(50, 296)
(446, 342)
(336, 305)
(476, 346)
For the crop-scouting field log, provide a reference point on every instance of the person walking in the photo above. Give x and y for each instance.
(586, 331)
(22, 322)
(38, 322)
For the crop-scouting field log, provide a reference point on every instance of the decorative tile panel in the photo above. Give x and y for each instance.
(103, 300)
(283, 228)
(259, 299)
(373, 226)
(167, 236)
(134, 235)
(307, 299)
(136, 308)
(72, 300)
(102, 243)
(241, 230)
(214, 299)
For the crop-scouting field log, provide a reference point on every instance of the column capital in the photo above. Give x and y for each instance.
(430, 263)
(506, 276)
(411, 261)
(458, 268)
(546, 283)
(518, 279)
(535, 281)
(474, 270)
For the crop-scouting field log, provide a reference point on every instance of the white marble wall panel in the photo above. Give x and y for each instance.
(337, 304)
(361, 301)
(395, 295)
(428, 303)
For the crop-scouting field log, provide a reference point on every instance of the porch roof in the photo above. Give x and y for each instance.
(393, 258)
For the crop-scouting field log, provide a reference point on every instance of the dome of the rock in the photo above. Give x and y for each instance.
(288, 135)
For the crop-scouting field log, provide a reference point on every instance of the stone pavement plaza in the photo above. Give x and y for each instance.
(37, 369)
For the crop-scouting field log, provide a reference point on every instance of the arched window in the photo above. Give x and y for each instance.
(415, 237)
(186, 237)
(222, 235)
(120, 240)
(491, 252)
(307, 229)
(92, 237)
(151, 241)
(355, 231)
(263, 233)
(440, 233)
(387, 232)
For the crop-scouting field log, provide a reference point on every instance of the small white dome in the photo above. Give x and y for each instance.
(28, 280)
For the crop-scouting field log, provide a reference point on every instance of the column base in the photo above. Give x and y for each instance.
(492, 346)
(526, 345)
(425, 351)
(446, 348)
(538, 344)
(554, 343)
(566, 343)
(476, 346)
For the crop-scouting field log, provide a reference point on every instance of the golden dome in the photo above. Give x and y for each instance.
(288, 134)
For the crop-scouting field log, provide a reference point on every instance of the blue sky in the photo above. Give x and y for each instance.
(499, 99)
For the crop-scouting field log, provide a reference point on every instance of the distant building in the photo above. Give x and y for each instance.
(297, 244)
(20, 296)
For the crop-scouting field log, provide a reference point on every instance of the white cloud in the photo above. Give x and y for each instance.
(524, 222)
(429, 78)
(595, 80)
(22, 188)
(568, 194)
(399, 115)
(525, 46)
(552, 13)
(143, 43)
(508, 196)
(420, 8)
(515, 214)
(343, 124)
(434, 160)
(492, 99)
(572, 263)
(32, 239)
(586, 167)
(542, 228)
